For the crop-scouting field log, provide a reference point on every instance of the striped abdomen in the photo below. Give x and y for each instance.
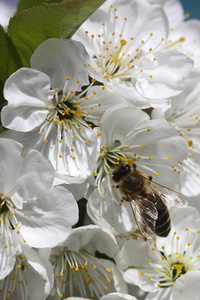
(163, 222)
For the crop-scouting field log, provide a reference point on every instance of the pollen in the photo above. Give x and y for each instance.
(190, 143)
(78, 113)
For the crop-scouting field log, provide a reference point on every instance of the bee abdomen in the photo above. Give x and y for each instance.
(163, 222)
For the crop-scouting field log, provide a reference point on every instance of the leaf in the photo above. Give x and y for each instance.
(9, 59)
(78, 12)
(31, 27)
(25, 4)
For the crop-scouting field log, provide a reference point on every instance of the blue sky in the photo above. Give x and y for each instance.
(193, 7)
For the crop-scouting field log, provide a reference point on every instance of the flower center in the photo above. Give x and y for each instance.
(66, 122)
(115, 56)
(80, 273)
(184, 258)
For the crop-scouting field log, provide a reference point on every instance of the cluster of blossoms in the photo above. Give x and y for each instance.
(124, 91)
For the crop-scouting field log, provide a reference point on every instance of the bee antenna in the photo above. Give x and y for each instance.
(150, 177)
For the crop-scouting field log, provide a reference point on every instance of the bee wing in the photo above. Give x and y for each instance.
(167, 195)
(143, 211)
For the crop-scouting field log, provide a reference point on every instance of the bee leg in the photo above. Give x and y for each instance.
(117, 186)
(134, 167)
(150, 177)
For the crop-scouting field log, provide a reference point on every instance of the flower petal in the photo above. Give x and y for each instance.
(165, 77)
(28, 93)
(60, 59)
(46, 222)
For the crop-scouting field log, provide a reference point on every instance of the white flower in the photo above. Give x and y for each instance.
(111, 296)
(184, 114)
(183, 35)
(125, 40)
(173, 9)
(78, 272)
(41, 215)
(155, 147)
(31, 277)
(162, 267)
(47, 111)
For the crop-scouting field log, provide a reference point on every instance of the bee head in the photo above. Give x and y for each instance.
(119, 173)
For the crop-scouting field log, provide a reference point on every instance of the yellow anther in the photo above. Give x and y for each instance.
(78, 113)
(60, 155)
(157, 174)
(169, 158)
(99, 134)
(40, 132)
(56, 90)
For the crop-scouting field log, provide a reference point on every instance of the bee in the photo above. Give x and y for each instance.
(149, 201)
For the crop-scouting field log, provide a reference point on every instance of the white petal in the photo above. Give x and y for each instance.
(60, 59)
(92, 238)
(187, 286)
(164, 294)
(35, 178)
(118, 121)
(118, 296)
(39, 261)
(107, 213)
(28, 92)
(168, 72)
(173, 9)
(9, 162)
(47, 221)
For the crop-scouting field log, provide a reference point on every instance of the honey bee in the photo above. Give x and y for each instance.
(149, 201)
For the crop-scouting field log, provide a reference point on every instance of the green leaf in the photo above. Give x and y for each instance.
(24, 4)
(31, 27)
(78, 12)
(9, 59)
